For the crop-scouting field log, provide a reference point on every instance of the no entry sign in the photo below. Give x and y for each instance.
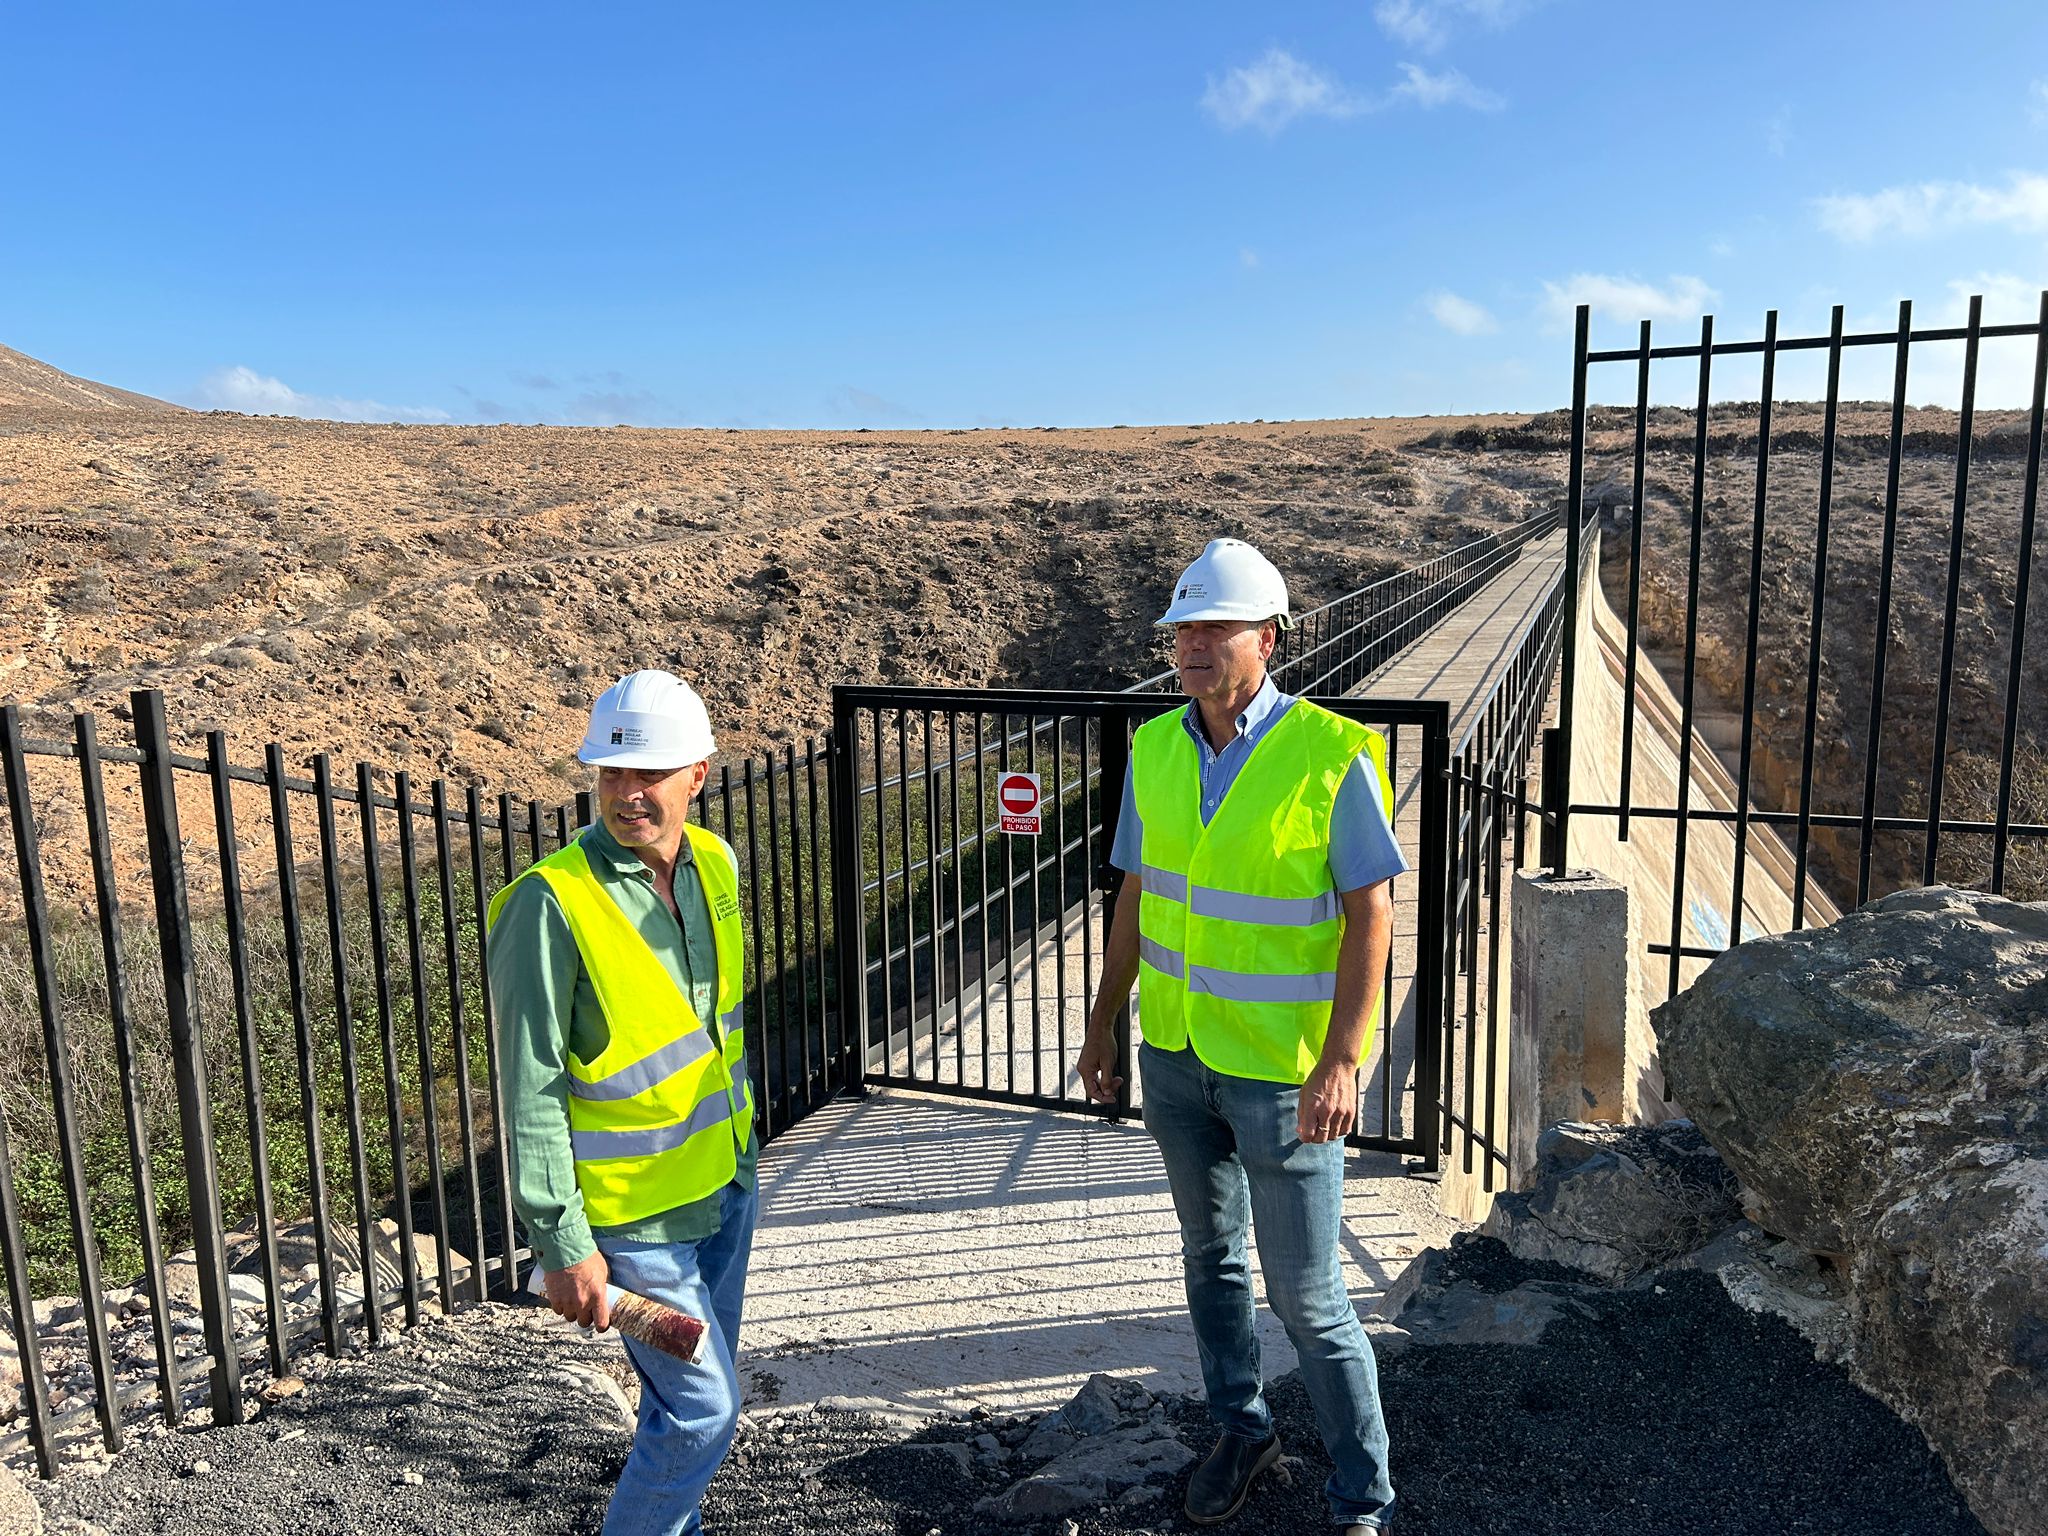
(1017, 803)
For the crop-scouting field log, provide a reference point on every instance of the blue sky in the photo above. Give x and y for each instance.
(957, 215)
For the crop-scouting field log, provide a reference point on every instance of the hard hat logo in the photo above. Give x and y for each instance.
(1229, 580)
(648, 719)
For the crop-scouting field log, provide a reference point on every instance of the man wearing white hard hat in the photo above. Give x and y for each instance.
(1254, 918)
(616, 975)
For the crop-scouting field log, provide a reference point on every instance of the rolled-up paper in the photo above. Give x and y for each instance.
(653, 1323)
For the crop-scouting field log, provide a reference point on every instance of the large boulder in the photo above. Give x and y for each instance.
(1880, 1087)
(1617, 1201)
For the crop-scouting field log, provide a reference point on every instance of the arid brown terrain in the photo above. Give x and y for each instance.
(447, 598)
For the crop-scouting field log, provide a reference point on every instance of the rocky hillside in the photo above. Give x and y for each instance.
(30, 389)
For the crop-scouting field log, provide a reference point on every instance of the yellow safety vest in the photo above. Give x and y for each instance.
(658, 1119)
(1239, 926)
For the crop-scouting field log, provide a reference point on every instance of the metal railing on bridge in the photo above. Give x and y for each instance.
(1836, 805)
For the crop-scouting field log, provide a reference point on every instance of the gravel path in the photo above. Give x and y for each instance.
(1704, 1417)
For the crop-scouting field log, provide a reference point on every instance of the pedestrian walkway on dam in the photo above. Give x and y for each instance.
(1460, 659)
(943, 1255)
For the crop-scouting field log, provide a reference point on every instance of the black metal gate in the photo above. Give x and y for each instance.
(972, 956)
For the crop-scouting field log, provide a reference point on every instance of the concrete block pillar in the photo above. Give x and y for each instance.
(1568, 1007)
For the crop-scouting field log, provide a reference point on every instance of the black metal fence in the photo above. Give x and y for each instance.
(273, 1097)
(976, 953)
(1869, 685)
(1490, 806)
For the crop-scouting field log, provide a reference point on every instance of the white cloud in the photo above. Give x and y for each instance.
(244, 389)
(1936, 207)
(1427, 24)
(1628, 298)
(1460, 315)
(1449, 89)
(1280, 88)
(1248, 258)
(1274, 92)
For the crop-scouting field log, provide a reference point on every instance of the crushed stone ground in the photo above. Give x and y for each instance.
(1650, 1410)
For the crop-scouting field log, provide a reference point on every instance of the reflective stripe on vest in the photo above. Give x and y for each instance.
(1240, 925)
(658, 1118)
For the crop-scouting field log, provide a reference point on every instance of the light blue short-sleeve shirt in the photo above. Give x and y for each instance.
(1362, 847)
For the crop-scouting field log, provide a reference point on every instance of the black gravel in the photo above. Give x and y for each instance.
(1664, 1407)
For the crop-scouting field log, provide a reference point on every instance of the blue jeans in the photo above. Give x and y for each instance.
(687, 1412)
(1233, 1158)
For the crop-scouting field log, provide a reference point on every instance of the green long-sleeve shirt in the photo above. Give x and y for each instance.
(546, 1008)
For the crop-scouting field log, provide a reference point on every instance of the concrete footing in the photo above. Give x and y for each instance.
(1573, 939)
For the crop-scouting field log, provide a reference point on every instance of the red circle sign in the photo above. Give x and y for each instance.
(1018, 795)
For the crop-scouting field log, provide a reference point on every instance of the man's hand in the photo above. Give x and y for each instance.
(1097, 1066)
(1329, 1102)
(577, 1292)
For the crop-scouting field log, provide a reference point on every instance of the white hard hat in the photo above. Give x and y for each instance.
(1229, 580)
(647, 719)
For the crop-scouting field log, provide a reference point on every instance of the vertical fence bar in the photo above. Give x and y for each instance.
(1574, 515)
(252, 1068)
(63, 1092)
(1692, 619)
(302, 1033)
(1493, 988)
(387, 1039)
(1749, 650)
(1088, 810)
(1471, 842)
(1881, 646)
(430, 1118)
(1059, 870)
(507, 838)
(344, 1017)
(981, 872)
(796, 924)
(821, 874)
(1965, 432)
(1635, 589)
(881, 904)
(1009, 917)
(508, 1238)
(787, 1097)
(1037, 921)
(958, 841)
(2029, 500)
(188, 1054)
(1115, 758)
(134, 1113)
(1820, 588)
(1431, 948)
(909, 898)
(21, 1296)
(849, 915)
(767, 1097)
(458, 1031)
(533, 839)
(934, 887)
